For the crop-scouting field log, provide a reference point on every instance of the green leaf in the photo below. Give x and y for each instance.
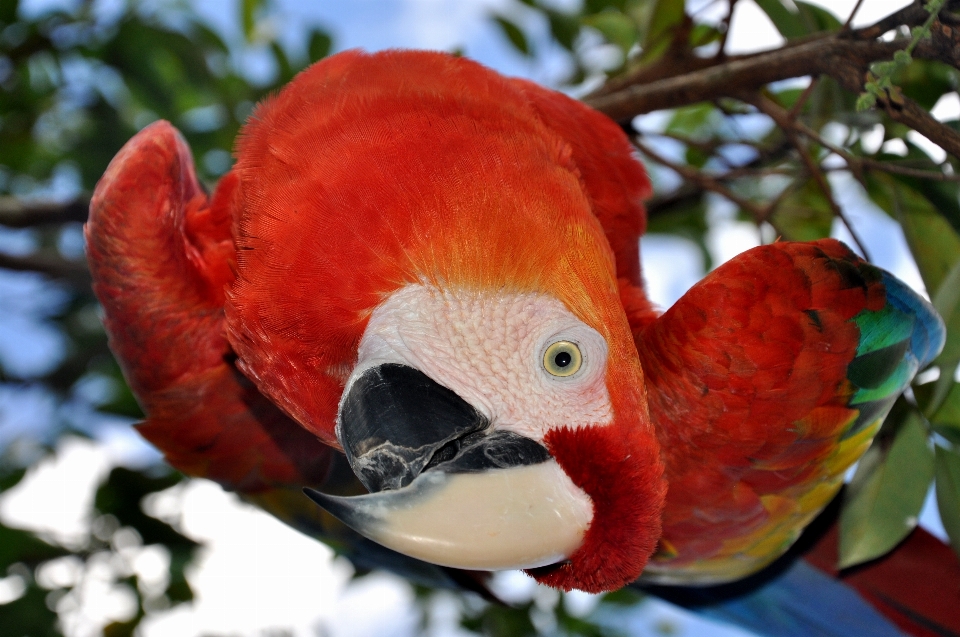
(178, 590)
(947, 298)
(10, 479)
(796, 19)
(320, 45)
(17, 545)
(596, 6)
(615, 27)
(886, 494)
(785, 19)
(514, 34)
(815, 18)
(564, 28)
(29, 615)
(830, 102)
(287, 71)
(865, 102)
(703, 34)
(660, 29)
(495, 619)
(626, 596)
(692, 121)
(685, 217)
(804, 214)
(944, 196)
(788, 97)
(666, 15)
(8, 11)
(941, 402)
(248, 9)
(121, 496)
(948, 493)
(934, 244)
(696, 157)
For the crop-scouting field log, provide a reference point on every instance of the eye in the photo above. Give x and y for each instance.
(562, 358)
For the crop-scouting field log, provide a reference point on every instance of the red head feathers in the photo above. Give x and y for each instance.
(369, 174)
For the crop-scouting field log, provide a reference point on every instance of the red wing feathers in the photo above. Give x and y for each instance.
(161, 254)
(747, 382)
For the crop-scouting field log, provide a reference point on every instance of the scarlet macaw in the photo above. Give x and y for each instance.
(436, 270)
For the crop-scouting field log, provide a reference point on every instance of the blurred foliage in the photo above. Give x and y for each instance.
(76, 84)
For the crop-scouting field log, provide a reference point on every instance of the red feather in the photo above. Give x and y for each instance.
(160, 255)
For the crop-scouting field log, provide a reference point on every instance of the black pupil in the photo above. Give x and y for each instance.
(562, 359)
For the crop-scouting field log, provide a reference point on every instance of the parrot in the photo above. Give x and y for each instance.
(417, 298)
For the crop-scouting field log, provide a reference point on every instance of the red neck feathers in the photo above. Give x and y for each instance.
(619, 467)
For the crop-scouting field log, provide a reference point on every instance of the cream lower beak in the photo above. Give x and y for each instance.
(519, 517)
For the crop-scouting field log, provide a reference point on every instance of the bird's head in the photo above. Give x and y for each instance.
(422, 282)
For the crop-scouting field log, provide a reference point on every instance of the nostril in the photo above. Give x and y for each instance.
(452, 449)
(448, 451)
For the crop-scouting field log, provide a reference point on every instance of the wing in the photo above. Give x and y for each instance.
(767, 380)
(161, 254)
(911, 590)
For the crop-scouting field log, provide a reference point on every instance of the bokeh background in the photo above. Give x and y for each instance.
(99, 537)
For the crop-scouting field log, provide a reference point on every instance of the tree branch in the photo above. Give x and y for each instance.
(737, 75)
(853, 14)
(75, 273)
(843, 55)
(15, 213)
(706, 182)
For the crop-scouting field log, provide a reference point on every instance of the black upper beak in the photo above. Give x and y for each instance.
(396, 422)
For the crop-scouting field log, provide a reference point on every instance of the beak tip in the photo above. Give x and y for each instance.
(328, 503)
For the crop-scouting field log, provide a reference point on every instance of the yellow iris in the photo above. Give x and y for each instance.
(562, 358)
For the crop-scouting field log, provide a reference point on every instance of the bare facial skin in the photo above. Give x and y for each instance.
(489, 350)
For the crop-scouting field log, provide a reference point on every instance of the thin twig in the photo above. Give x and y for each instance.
(856, 8)
(782, 119)
(802, 100)
(17, 213)
(740, 172)
(721, 52)
(814, 169)
(704, 181)
(74, 272)
(707, 147)
(906, 171)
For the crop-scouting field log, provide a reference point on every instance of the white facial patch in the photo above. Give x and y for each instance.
(489, 348)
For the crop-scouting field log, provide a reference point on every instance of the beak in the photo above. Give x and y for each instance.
(445, 487)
